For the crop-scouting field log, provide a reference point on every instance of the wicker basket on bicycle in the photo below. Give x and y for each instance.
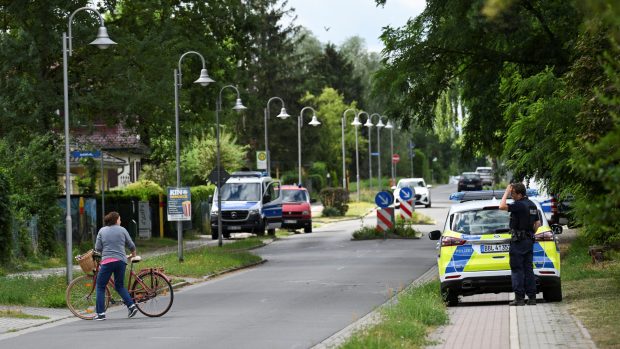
(88, 261)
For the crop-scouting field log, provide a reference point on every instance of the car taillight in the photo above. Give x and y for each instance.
(546, 236)
(452, 241)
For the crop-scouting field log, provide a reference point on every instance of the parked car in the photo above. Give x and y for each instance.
(251, 202)
(473, 250)
(419, 188)
(470, 181)
(486, 174)
(296, 211)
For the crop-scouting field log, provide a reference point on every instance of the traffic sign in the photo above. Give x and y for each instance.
(384, 199)
(395, 158)
(385, 219)
(405, 193)
(77, 154)
(223, 177)
(406, 209)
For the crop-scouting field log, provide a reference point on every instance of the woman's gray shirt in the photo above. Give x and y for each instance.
(111, 242)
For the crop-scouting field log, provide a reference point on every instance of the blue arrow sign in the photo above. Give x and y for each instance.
(384, 199)
(85, 154)
(405, 193)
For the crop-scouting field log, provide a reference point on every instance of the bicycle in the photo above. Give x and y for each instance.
(151, 291)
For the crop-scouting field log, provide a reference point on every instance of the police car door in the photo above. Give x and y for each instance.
(272, 205)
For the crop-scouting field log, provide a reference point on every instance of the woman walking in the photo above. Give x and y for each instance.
(111, 243)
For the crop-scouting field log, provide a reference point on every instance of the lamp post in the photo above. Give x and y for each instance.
(239, 107)
(356, 122)
(369, 124)
(344, 170)
(300, 124)
(203, 80)
(283, 115)
(102, 41)
(380, 125)
(390, 127)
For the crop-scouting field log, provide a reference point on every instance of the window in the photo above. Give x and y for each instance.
(479, 222)
(294, 196)
(241, 192)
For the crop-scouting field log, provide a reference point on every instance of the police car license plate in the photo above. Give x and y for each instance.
(495, 248)
(290, 221)
(234, 227)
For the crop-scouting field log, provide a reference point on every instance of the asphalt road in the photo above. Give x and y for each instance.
(312, 286)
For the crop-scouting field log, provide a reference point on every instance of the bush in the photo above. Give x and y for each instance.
(5, 220)
(202, 192)
(336, 198)
(143, 189)
(400, 230)
(329, 211)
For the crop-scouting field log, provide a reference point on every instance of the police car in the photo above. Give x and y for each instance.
(473, 249)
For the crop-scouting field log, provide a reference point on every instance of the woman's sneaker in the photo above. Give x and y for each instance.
(99, 317)
(132, 310)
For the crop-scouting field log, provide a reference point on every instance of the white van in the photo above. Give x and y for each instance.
(486, 174)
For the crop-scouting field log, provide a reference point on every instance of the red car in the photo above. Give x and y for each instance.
(296, 212)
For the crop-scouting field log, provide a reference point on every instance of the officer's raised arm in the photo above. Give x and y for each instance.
(503, 205)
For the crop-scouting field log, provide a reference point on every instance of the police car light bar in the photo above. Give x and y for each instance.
(463, 196)
(248, 174)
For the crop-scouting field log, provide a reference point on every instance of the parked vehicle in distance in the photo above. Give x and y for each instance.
(419, 188)
(474, 244)
(470, 181)
(251, 202)
(296, 211)
(486, 175)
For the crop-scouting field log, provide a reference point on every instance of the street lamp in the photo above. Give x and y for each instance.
(300, 124)
(369, 124)
(283, 115)
(380, 125)
(344, 170)
(102, 41)
(390, 127)
(203, 80)
(356, 122)
(239, 107)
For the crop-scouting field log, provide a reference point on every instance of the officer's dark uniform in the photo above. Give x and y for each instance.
(523, 215)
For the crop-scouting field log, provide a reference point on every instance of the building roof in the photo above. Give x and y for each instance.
(112, 138)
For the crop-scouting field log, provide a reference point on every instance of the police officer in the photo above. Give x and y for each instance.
(524, 222)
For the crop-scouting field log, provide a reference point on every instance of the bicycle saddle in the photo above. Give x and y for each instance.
(135, 259)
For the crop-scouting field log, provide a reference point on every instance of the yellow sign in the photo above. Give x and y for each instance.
(261, 159)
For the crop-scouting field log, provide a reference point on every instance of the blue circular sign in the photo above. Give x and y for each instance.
(406, 193)
(384, 199)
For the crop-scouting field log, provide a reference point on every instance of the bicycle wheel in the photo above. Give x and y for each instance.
(81, 297)
(152, 293)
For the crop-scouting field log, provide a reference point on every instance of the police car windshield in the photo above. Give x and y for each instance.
(241, 192)
(294, 196)
(478, 222)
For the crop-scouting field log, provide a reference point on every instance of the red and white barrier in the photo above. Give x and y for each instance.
(385, 218)
(406, 209)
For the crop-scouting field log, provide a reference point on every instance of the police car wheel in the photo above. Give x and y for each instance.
(553, 293)
(308, 229)
(450, 297)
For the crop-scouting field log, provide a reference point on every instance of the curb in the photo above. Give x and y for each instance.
(374, 317)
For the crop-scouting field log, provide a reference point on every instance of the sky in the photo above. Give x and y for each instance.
(337, 20)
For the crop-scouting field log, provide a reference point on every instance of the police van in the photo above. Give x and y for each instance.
(473, 249)
(251, 202)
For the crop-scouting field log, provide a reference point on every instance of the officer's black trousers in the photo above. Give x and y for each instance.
(521, 265)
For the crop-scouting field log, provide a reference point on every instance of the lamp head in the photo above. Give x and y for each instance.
(204, 78)
(103, 40)
(314, 121)
(283, 114)
(389, 125)
(239, 107)
(368, 123)
(356, 121)
(380, 124)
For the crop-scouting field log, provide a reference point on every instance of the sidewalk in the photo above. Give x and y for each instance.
(487, 321)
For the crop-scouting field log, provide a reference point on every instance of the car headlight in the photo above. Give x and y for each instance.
(214, 214)
(305, 213)
(253, 212)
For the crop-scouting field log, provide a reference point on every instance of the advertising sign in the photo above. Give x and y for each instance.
(261, 159)
(179, 204)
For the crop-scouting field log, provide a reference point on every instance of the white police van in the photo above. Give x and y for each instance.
(251, 202)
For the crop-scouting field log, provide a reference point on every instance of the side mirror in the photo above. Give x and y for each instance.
(393, 187)
(434, 235)
(557, 229)
(210, 198)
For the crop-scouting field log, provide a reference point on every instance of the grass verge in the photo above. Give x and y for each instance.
(591, 292)
(18, 314)
(405, 324)
(49, 292)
